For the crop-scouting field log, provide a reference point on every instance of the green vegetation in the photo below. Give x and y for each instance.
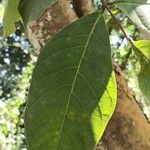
(73, 91)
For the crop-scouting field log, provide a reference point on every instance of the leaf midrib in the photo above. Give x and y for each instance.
(78, 68)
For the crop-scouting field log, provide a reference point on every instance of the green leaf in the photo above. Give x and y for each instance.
(11, 15)
(142, 50)
(31, 9)
(1, 12)
(73, 90)
(137, 10)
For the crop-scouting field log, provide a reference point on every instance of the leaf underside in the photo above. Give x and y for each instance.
(73, 89)
(142, 50)
(137, 10)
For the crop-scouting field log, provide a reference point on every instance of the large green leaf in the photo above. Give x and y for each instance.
(137, 10)
(142, 50)
(73, 90)
(31, 9)
(11, 15)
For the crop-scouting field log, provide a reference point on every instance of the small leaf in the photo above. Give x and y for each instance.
(137, 10)
(11, 15)
(73, 90)
(31, 9)
(142, 50)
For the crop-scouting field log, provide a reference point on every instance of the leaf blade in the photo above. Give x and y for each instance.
(9, 20)
(142, 50)
(137, 11)
(75, 69)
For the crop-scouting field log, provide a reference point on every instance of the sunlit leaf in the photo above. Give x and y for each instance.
(11, 15)
(1, 12)
(73, 90)
(142, 50)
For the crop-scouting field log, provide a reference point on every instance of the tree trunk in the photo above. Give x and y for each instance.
(128, 129)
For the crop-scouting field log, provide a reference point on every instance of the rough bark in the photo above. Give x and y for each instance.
(51, 21)
(128, 129)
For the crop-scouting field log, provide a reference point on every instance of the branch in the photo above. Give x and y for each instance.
(104, 4)
(82, 7)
